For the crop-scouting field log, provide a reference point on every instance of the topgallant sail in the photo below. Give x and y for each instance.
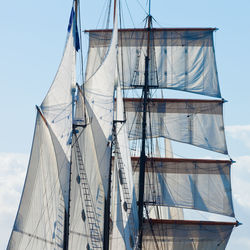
(102, 173)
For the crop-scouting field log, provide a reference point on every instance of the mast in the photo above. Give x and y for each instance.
(67, 214)
(106, 227)
(143, 157)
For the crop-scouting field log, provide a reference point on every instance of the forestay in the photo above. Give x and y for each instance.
(188, 235)
(181, 59)
(40, 219)
(189, 183)
(196, 122)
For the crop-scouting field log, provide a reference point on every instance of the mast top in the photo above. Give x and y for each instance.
(149, 8)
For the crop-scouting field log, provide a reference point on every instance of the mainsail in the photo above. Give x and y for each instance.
(102, 172)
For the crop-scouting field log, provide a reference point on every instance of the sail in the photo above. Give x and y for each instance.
(79, 234)
(40, 219)
(99, 94)
(57, 105)
(117, 239)
(159, 211)
(125, 218)
(91, 153)
(188, 235)
(173, 212)
(181, 59)
(196, 122)
(188, 183)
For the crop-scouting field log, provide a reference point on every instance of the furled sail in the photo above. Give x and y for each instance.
(182, 59)
(188, 235)
(196, 122)
(40, 219)
(125, 218)
(187, 183)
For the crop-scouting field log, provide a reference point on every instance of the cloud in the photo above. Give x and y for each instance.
(240, 132)
(241, 181)
(13, 169)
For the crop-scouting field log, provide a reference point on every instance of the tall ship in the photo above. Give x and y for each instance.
(102, 173)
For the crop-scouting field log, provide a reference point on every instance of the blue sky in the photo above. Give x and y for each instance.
(31, 45)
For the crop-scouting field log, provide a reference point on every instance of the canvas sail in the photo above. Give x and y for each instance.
(182, 59)
(67, 186)
(187, 183)
(40, 219)
(57, 106)
(92, 153)
(158, 211)
(125, 218)
(99, 94)
(196, 122)
(190, 235)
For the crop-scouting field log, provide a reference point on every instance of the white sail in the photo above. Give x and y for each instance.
(165, 212)
(193, 235)
(65, 199)
(117, 240)
(187, 183)
(125, 224)
(92, 153)
(196, 122)
(57, 105)
(79, 235)
(99, 94)
(40, 219)
(182, 59)
(174, 213)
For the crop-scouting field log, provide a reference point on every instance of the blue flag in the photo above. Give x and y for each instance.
(72, 20)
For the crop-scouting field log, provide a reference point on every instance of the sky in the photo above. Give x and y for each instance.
(31, 45)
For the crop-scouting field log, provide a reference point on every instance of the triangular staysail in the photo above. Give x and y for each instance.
(40, 219)
(92, 153)
(125, 218)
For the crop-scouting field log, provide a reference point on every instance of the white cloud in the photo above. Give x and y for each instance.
(241, 181)
(13, 169)
(240, 132)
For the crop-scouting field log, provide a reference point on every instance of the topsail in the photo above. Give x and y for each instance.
(182, 59)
